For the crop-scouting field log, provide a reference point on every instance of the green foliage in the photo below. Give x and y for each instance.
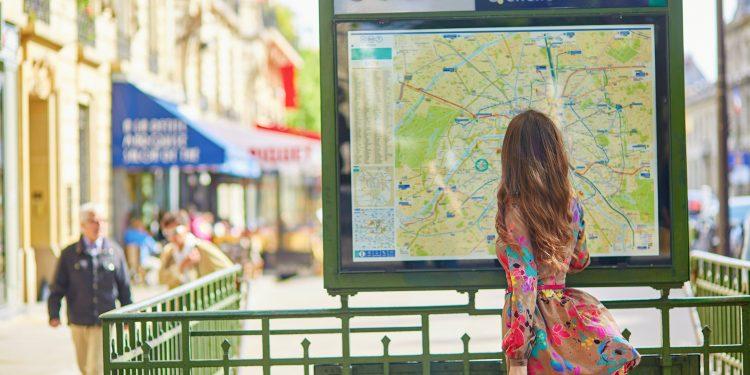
(307, 114)
(283, 18)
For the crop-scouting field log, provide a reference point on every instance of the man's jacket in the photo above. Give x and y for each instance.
(90, 283)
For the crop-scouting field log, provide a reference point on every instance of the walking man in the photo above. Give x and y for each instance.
(91, 274)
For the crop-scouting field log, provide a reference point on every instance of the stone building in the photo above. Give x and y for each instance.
(212, 59)
(701, 112)
(61, 133)
(738, 97)
(222, 67)
(701, 131)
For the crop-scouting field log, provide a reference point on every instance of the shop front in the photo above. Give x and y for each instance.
(285, 202)
(263, 182)
(165, 159)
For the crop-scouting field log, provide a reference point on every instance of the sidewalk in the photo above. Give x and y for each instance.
(29, 346)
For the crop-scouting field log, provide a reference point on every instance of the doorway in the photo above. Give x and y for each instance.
(40, 189)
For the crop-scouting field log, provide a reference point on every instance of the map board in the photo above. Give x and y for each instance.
(426, 104)
(426, 174)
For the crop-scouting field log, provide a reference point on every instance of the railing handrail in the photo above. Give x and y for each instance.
(200, 327)
(171, 294)
(719, 259)
(669, 303)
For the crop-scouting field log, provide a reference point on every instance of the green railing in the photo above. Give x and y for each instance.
(128, 338)
(715, 275)
(195, 336)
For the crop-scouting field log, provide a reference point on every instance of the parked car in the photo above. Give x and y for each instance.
(703, 227)
(739, 208)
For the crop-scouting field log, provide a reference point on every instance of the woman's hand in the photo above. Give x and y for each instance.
(517, 370)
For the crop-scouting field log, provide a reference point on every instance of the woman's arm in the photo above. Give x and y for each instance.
(581, 258)
(521, 304)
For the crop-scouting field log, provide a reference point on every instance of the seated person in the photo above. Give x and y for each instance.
(137, 235)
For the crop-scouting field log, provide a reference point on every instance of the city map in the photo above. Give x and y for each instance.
(428, 112)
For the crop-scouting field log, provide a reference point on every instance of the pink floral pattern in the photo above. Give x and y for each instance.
(552, 329)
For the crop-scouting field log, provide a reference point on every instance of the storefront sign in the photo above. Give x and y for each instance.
(150, 132)
(275, 155)
(157, 141)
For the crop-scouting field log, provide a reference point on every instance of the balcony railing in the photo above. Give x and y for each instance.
(37, 9)
(86, 25)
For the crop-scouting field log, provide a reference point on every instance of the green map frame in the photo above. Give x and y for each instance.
(338, 282)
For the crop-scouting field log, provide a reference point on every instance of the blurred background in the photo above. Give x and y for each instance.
(148, 106)
(211, 107)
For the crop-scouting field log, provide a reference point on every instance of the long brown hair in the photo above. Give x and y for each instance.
(536, 185)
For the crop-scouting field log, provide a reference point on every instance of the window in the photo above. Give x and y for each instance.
(153, 36)
(86, 23)
(84, 153)
(125, 25)
(37, 9)
(231, 204)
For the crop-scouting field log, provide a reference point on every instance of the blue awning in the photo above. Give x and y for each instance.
(149, 132)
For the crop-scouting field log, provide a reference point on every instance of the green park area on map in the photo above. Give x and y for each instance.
(453, 94)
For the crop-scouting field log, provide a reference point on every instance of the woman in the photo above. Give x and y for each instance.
(548, 328)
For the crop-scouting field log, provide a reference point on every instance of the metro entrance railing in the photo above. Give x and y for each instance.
(199, 328)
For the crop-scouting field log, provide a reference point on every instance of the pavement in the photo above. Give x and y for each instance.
(29, 346)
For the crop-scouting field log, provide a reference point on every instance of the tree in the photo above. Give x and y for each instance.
(283, 19)
(307, 114)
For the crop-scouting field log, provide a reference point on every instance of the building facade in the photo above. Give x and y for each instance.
(738, 98)
(701, 131)
(213, 59)
(217, 61)
(12, 260)
(61, 131)
(702, 113)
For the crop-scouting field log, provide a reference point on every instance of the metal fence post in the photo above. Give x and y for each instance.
(426, 344)
(185, 325)
(266, 327)
(666, 342)
(107, 347)
(746, 339)
(345, 331)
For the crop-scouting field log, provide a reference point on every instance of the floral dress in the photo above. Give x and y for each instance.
(552, 329)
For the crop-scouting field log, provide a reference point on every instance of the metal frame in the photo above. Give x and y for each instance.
(337, 282)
